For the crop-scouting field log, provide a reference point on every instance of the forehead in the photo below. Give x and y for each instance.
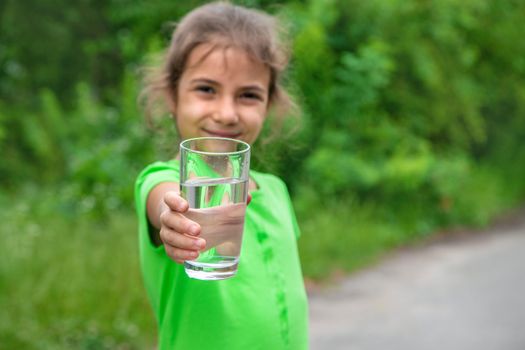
(226, 62)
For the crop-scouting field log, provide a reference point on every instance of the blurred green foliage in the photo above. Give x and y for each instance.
(412, 91)
(399, 97)
(65, 285)
(402, 100)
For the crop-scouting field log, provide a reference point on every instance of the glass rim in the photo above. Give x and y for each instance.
(183, 146)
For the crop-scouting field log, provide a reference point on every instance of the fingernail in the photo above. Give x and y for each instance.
(199, 243)
(194, 229)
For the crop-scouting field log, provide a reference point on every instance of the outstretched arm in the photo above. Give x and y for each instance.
(165, 210)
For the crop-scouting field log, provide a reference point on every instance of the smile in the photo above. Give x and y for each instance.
(220, 133)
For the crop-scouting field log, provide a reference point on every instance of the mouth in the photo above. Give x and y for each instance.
(222, 133)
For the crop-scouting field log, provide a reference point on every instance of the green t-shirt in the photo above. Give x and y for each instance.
(263, 307)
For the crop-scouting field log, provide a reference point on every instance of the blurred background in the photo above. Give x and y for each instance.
(413, 122)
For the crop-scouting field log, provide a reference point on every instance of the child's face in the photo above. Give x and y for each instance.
(222, 94)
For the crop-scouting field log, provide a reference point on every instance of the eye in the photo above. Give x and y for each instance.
(252, 96)
(205, 89)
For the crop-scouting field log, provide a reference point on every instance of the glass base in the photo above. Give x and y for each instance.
(216, 268)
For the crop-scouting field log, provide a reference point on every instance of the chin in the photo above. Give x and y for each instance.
(218, 145)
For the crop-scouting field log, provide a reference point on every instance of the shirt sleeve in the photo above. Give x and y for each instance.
(289, 206)
(297, 230)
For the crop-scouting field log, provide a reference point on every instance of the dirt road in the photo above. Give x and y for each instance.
(465, 292)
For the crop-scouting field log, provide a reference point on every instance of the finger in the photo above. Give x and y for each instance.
(179, 223)
(249, 199)
(180, 255)
(175, 202)
(181, 241)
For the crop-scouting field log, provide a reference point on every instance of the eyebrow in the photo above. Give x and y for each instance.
(203, 80)
(252, 87)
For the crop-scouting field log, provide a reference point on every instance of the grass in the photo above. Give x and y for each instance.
(73, 281)
(345, 236)
(71, 284)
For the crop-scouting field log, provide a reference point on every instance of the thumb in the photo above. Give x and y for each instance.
(175, 202)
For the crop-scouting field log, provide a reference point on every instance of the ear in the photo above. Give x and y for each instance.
(170, 98)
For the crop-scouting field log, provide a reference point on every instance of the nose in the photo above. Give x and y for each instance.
(226, 112)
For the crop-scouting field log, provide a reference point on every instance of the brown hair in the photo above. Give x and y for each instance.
(222, 24)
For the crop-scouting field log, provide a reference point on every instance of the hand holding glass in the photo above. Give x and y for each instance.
(214, 174)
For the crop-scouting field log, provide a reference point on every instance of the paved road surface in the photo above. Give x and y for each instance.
(463, 293)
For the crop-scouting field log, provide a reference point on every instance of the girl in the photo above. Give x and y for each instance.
(221, 77)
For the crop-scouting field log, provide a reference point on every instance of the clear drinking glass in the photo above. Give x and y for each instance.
(214, 180)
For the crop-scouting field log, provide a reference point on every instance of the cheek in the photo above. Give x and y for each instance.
(190, 112)
(187, 119)
(256, 122)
